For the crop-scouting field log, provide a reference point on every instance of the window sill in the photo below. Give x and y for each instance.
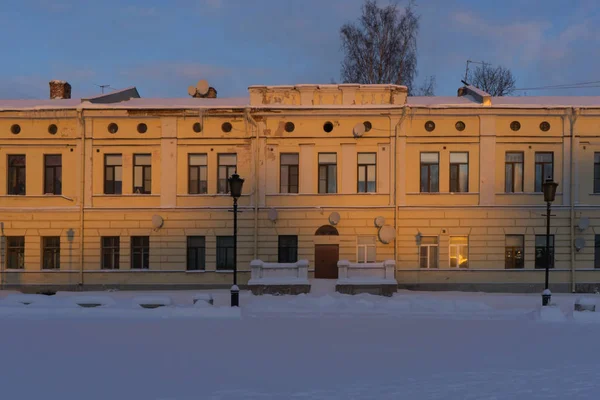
(127, 195)
(444, 193)
(38, 196)
(195, 271)
(524, 194)
(209, 195)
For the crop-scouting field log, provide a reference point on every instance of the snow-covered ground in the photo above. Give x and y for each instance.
(323, 345)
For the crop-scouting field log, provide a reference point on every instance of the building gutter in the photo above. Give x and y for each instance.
(572, 115)
(82, 193)
(396, 205)
(251, 120)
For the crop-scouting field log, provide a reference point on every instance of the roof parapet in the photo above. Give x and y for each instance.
(477, 94)
(348, 94)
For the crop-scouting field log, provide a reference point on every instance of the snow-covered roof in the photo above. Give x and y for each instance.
(466, 101)
(175, 103)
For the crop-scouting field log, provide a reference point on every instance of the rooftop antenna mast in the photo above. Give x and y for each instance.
(102, 87)
(473, 62)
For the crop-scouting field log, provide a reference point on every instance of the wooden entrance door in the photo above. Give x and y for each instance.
(326, 258)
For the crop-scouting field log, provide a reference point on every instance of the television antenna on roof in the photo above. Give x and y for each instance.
(473, 62)
(102, 87)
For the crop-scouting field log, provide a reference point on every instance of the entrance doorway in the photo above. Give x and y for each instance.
(327, 255)
(326, 259)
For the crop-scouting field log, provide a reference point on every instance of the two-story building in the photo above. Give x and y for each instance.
(123, 191)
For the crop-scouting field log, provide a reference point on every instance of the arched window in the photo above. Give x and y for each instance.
(327, 230)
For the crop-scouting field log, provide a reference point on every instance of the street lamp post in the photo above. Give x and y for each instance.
(549, 188)
(235, 187)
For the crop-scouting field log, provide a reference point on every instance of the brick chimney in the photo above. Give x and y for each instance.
(60, 90)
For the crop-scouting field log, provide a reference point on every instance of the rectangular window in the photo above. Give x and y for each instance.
(288, 173)
(459, 172)
(430, 172)
(459, 252)
(596, 172)
(197, 174)
(113, 174)
(544, 169)
(540, 251)
(142, 173)
(51, 252)
(140, 252)
(327, 173)
(52, 174)
(224, 252)
(287, 249)
(367, 172)
(111, 250)
(428, 252)
(16, 174)
(196, 253)
(513, 172)
(227, 167)
(15, 252)
(514, 252)
(366, 249)
(596, 251)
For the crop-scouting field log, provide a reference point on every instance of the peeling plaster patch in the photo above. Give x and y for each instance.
(280, 129)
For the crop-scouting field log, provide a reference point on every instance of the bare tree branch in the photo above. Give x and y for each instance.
(382, 46)
(497, 81)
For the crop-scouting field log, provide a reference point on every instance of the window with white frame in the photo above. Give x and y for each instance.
(366, 249)
(428, 252)
(459, 252)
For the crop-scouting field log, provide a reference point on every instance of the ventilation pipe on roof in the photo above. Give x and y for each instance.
(477, 94)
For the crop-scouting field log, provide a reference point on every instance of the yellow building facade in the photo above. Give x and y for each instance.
(133, 194)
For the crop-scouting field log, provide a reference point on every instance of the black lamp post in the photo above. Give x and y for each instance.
(549, 188)
(235, 188)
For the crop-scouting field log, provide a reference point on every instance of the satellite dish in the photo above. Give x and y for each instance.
(387, 234)
(358, 130)
(192, 91)
(579, 243)
(379, 221)
(273, 215)
(334, 218)
(584, 223)
(157, 222)
(202, 87)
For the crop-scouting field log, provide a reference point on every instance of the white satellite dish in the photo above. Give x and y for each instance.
(334, 218)
(272, 215)
(358, 130)
(157, 222)
(202, 87)
(379, 221)
(387, 234)
(584, 223)
(192, 91)
(579, 243)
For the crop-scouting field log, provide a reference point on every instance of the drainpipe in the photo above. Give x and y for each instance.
(2, 254)
(82, 194)
(572, 115)
(255, 180)
(404, 109)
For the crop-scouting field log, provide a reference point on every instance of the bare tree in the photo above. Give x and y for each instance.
(426, 88)
(497, 81)
(382, 46)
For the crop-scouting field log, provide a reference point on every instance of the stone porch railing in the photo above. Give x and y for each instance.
(374, 278)
(279, 278)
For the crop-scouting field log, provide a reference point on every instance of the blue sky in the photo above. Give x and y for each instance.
(162, 47)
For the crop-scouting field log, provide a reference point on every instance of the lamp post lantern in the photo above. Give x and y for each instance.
(235, 187)
(549, 188)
